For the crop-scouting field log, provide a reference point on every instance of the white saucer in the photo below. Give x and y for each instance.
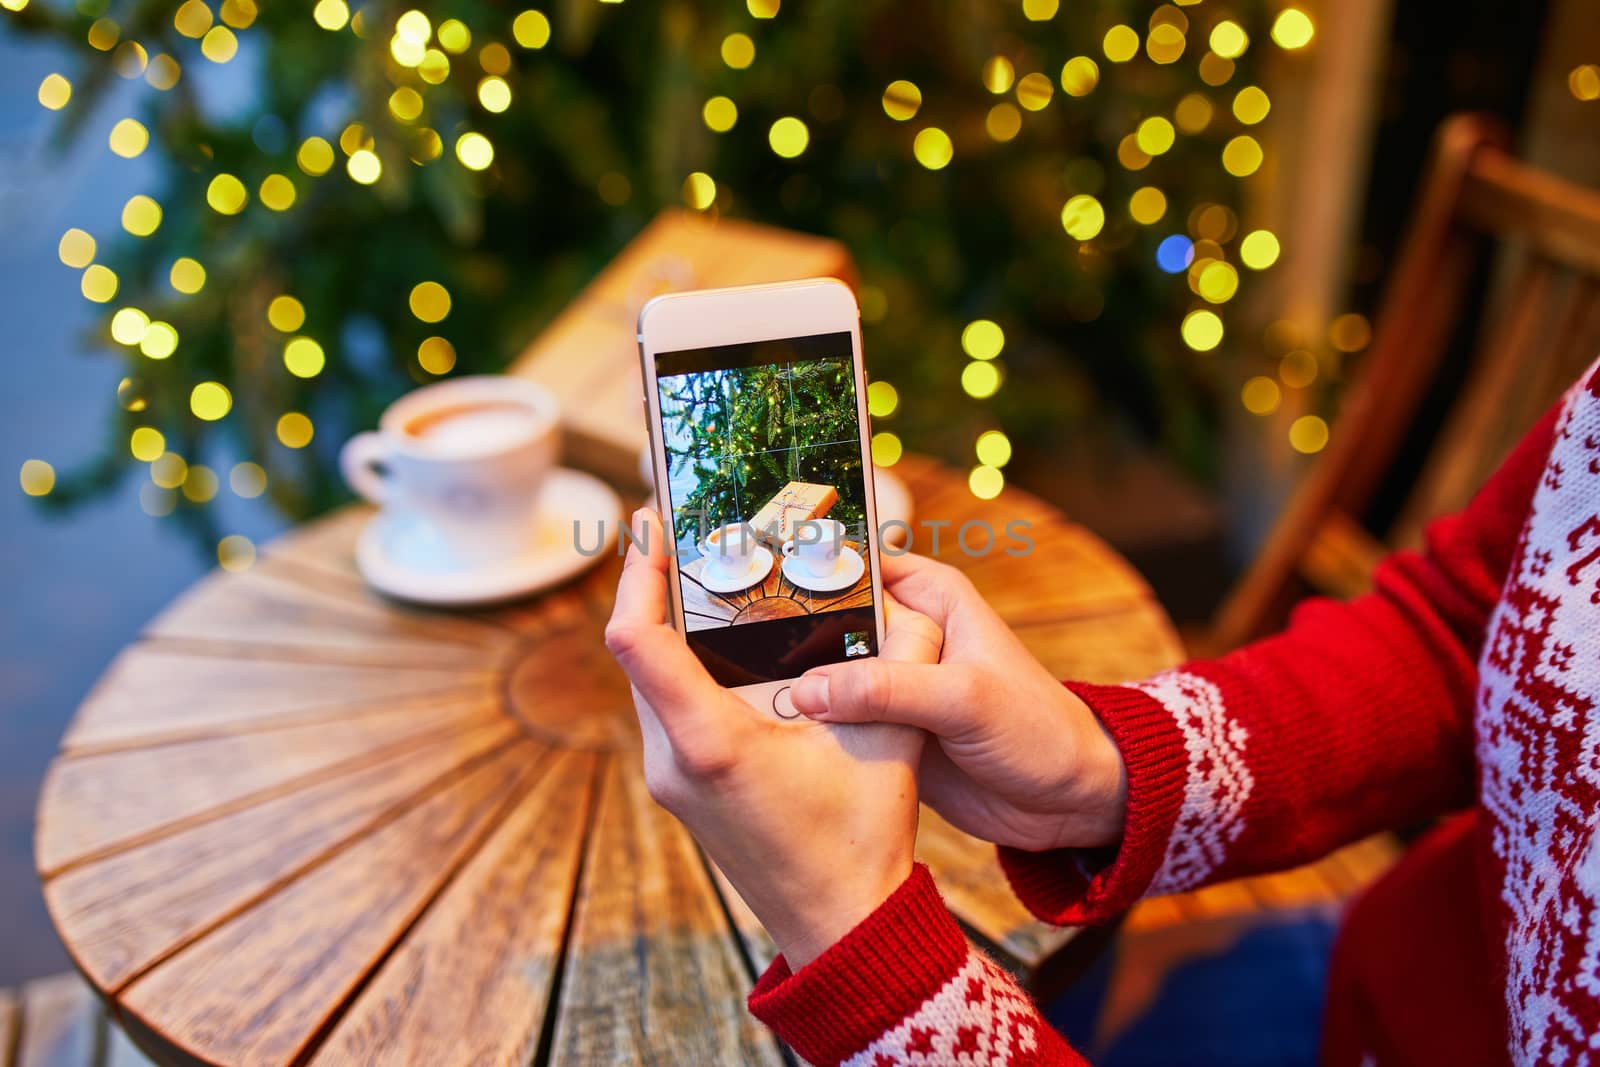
(399, 555)
(760, 566)
(846, 572)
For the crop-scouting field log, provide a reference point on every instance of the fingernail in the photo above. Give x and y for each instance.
(636, 524)
(811, 695)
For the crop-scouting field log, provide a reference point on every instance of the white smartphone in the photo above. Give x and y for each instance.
(756, 403)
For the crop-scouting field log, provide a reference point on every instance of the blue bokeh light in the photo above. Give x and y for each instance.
(1174, 254)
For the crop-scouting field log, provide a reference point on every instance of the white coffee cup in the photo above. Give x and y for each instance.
(817, 544)
(728, 549)
(467, 457)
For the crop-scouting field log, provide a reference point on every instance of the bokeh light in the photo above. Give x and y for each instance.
(985, 482)
(141, 216)
(236, 553)
(474, 151)
(980, 380)
(226, 194)
(1154, 136)
(128, 138)
(187, 276)
(530, 29)
(901, 100)
(993, 448)
(37, 477)
(1003, 122)
(146, 443)
(1251, 105)
(1083, 217)
(699, 190)
(999, 74)
(55, 92)
(219, 44)
(494, 93)
(1292, 29)
(1350, 332)
(1120, 44)
(247, 480)
(1175, 253)
(933, 148)
(430, 301)
(1229, 40)
(210, 401)
(76, 248)
(1079, 76)
(315, 157)
(303, 357)
(1241, 156)
(1308, 434)
(738, 50)
(294, 429)
(128, 325)
(1261, 395)
(882, 399)
(720, 114)
(331, 15)
(1583, 82)
(1201, 330)
(983, 339)
(886, 449)
(286, 314)
(1147, 205)
(364, 166)
(98, 283)
(1218, 282)
(160, 340)
(436, 355)
(277, 192)
(1034, 92)
(1259, 249)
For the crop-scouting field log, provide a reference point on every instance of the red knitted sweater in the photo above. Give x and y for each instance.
(1471, 674)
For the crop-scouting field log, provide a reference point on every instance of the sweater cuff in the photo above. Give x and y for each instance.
(1073, 887)
(866, 983)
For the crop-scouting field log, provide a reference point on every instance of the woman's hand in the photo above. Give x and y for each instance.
(814, 824)
(1020, 760)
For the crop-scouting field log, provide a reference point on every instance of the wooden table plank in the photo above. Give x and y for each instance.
(260, 988)
(101, 801)
(653, 975)
(153, 693)
(61, 1023)
(250, 612)
(135, 907)
(471, 983)
(8, 1027)
(1116, 647)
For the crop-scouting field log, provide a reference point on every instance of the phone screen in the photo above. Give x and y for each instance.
(768, 497)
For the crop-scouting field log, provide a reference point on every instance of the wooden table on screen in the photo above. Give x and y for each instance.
(776, 596)
(297, 823)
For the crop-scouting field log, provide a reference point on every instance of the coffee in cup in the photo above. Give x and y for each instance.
(817, 544)
(467, 457)
(728, 549)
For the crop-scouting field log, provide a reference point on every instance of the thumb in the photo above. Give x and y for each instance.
(934, 697)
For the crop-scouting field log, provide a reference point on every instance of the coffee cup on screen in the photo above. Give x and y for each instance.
(817, 543)
(728, 549)
(467, 457)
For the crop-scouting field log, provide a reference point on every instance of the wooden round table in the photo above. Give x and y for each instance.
(296, 822)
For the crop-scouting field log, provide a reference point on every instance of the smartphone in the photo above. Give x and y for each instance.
(756, 403)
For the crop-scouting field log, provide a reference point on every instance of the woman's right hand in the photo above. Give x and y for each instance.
(1020, 760)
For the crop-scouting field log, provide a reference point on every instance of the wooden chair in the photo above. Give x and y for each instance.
(60, 1022)
(1540, 332)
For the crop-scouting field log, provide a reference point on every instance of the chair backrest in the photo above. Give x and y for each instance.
(1543, 328)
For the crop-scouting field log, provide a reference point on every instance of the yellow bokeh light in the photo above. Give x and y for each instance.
(239, 14)
(494, 58)
(430, 301)
(985, 482)
(1147, 205)
(200, 484)
(236, 553)
(1241, 156)
(129, 395)
(1293, 29)
(163, 72)
(226, 195)
(882, 399)
(720, 114)
(187, 275)
(1350, 332)
(1228, 39)
(435, 65)
(1155, 135)
(104, 34)
(983, 339)
(436, 355)
(455, 38)
(1165, 43)
(414, 26)
(1121, 43)
(219, 44)
(1298, 369)
(315, 156)
(762, 9)
(129, 138)
(1079, 76)
(247, 480)
(531, 29)
(1214, 70)
(295, 430)
(128, 326)
(141, 216)
(1308, 434)
(169, 470)
(277, 192)
(193, 18)
(933, 148)
(76, 248)
(1259, 249)
(427, 146)
(355, 137)
(1040, 10)
(303, 357)
(1250, 105)
(1202, 330)
(406, 52)
(210, 401)
(54, 92)
(901, 100)
(1261, 395)
(1083, 217)
(99, 283)
(331, 15)
(993, 448)
(286, 314)
(130, 59)
(1034, 92)
(1193, 113)
(699, 190)
(998, 74)
(474, 151)
(405, 104)
(37, 477)
(147, 444)
(886, 449)
(364, 166)
(160, 340)
(1218, 282)
(738, 50)
(980, 380)
(494, 94)
(1003, 122)
(1583, 82)
(788, 137)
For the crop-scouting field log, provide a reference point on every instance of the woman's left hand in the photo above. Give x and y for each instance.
(814, 824)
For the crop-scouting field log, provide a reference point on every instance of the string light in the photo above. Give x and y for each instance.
(129, 395)
(455, 38)
(286, 314)
(200, 484)
(247, 480)
(1034, 92)
(886, 449)
(1229, 40)
(1193, 113)
(130, 60)
(494, 94)
(294, 430)
(762, 9)
(998, 74)
(1259, 249)
(37, 477)
(1147, 205)
(985, 482)
(1241, 157)
(1083, 217)
(303, 357)
(720, 114)
(983, 339)
(1040, 10)
(1583, 82)
(1154, 136)
(738, 50)
(1298, 369)
(474, 151)
(882, 399)
(364, 166)
(163, 72)
(76, 248)
(168, 470)
(187, 276)
(192, 19)
(98, 283)
(1261, 395)
(788, 137)
(1165, 43)
(315, 157)
(435, 66)
(1120, 44)
(277, 192)
(104, 34)
(1079, 76)
(933, 148)
(1218, 282)
(160, 340)
(1292, 29)
(1174, 254)
(147, 444)
(331, 15)
(1308, 434)
(1003, 122)
(405, 103)
(236, 553)
(128, 138)
(210, 401)
(993, 449)
(128, 326)
(1201, 330)
(219, 44)
(436, 355)
(239, 13)
(55, 92)
(1350, 332)
(699, 190)
(1250, 105)
(226, 194)
(430, 301)
(901, 100)
(980, 380)
(1214, 70)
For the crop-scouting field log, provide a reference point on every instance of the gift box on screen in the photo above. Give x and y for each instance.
(794, 503)
(589, 355)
